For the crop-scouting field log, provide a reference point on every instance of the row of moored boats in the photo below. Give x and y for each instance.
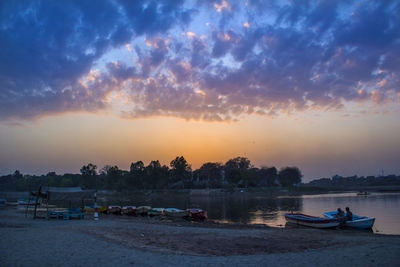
(193, 213)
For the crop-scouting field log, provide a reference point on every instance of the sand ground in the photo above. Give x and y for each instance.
(121, 241)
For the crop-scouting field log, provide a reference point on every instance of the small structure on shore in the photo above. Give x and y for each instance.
(47, 194)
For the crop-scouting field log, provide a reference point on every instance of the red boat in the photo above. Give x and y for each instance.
(197, 214)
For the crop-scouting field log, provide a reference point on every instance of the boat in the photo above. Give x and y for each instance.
(156, 211)
(143, 210)
(362, 193)
(100, 209)
(173, 212)
(114, 210)
(197, 214)
(360, 222)
(311, 221)
(27, 204)
(129, 210)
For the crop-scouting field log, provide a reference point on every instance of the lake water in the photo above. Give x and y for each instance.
(246, 208)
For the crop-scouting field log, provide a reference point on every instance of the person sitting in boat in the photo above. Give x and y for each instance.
(340, 213)
(349, 214)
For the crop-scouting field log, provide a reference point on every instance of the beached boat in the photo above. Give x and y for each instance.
(114, 210)
(359, 222)
(197, 214)
(129, 210)
(22, 202)
(100, 209)
(311, 221)
(156, 211)
(143, 210)
(362, 193)
(178, 213)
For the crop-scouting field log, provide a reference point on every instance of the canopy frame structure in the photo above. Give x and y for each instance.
(61, 193)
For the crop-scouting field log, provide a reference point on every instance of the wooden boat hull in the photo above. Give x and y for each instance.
(311, 221)
(128, 210)
(114, 210)
(142, 210)
(156, 212)
(359, 222)
(177, 213)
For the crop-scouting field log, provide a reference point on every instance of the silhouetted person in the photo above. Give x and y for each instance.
(340, 213)
(349, 214)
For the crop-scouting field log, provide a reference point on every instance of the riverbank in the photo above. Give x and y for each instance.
(121, 241)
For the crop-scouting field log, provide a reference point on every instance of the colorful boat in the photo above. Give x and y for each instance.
(197, 214)
(177, 213)
(359, 222)
(114, 210)
(143, 210)
(156, 211)
(100, 209)
(311, 221)
(129, 210)
(27, 204)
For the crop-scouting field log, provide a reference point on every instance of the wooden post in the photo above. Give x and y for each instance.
(36, 201)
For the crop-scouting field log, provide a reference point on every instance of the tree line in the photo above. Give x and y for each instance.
(236, 172)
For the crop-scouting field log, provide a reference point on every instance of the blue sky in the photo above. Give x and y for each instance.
(201, 62)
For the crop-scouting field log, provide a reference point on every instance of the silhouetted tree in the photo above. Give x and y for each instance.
(89, 175)
(235, 169)
(210, 174)
(288, 176)
(156, 175)
(268, 176)
(180, 170)
(113, 177)
(136, 175)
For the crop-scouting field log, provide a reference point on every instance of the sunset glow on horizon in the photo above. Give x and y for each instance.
(314, 85)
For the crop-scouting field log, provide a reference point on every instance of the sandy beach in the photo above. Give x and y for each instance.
(141, 241)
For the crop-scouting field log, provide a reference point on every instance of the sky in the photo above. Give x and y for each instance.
(312, 84)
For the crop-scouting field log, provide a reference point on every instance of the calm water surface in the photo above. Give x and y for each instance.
(245, 208)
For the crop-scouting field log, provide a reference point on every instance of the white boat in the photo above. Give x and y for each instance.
(359, 222)
(156, 211)
(311, 221)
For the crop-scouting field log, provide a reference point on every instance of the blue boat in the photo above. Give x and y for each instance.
(311, 221)
(359, 222)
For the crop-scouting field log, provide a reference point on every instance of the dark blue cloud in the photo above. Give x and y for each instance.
(288, 57)
(47, 46)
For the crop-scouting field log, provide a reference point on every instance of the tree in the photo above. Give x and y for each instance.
(136, 175)
(113, 179)
(240, 163)
(156, 175)
(89, 175)
(210, 174)
(180, 170)
(89, 170)
(268, 176)
(137, 167)
(288, 176)
(235, 169)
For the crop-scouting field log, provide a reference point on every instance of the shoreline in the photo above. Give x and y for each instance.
(145, 241)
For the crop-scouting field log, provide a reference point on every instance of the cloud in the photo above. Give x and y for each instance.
(294, 57)
(47, 46)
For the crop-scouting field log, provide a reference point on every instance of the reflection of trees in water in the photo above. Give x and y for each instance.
(290, 204)
(245, 208)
